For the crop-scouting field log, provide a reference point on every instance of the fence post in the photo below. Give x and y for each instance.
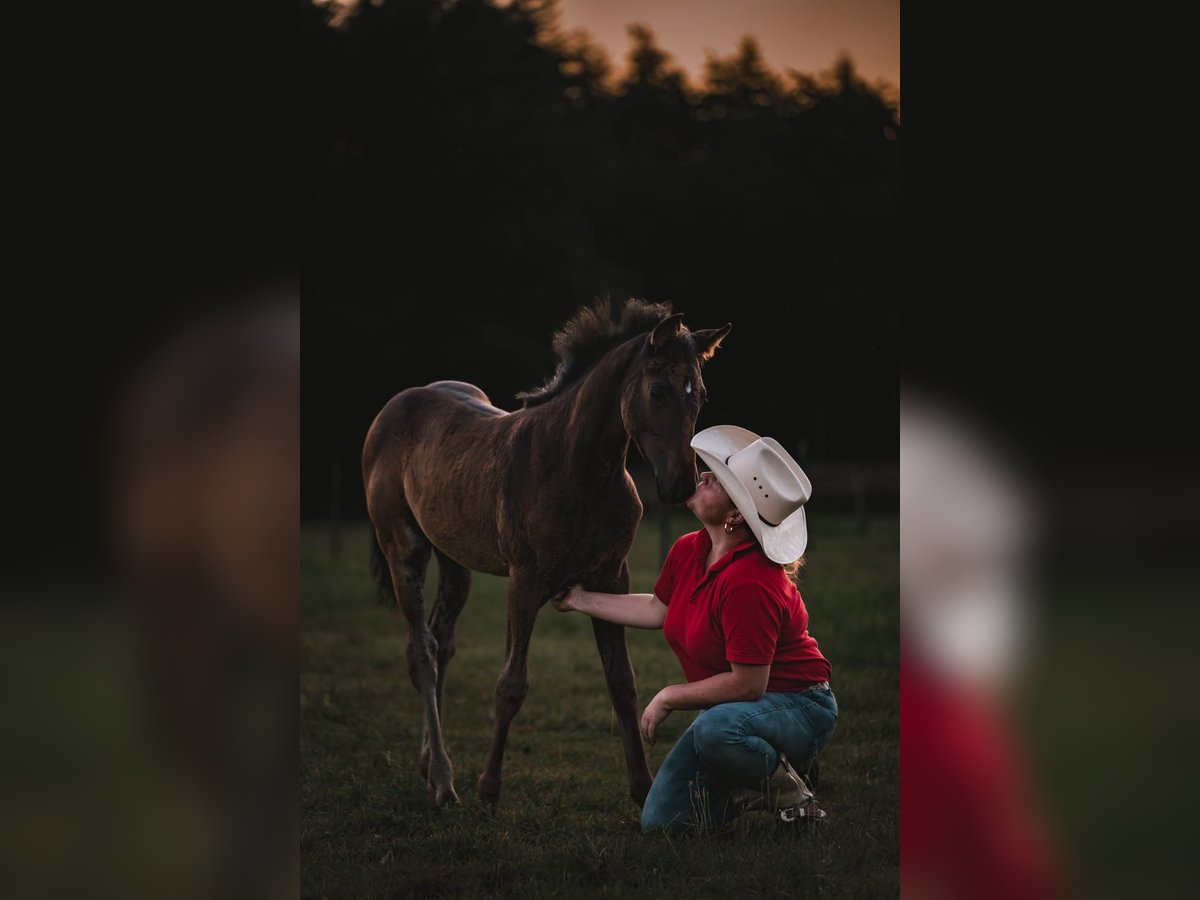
(664, 533)
(335, 510)
(859, 489)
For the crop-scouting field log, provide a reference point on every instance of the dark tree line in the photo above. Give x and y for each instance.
(469, 177)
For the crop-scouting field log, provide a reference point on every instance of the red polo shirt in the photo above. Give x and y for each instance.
(742, 610)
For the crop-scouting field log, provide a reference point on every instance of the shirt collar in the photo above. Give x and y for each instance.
(706, 548)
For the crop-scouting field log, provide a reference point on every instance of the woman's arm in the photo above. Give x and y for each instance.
(743, 683)
(634, 610)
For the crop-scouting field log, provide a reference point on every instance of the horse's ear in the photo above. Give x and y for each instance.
(709, 339)
(665, 330)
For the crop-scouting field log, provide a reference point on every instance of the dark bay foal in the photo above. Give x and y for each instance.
(540, 495)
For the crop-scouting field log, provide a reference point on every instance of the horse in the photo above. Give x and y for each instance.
(541, 495)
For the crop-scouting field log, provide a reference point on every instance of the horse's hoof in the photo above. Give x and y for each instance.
(489, 793)
(447, 798)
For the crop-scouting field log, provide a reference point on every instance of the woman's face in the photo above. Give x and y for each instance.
(709, 503)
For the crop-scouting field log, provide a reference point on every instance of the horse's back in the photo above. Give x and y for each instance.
(468, 394)
(421, 413)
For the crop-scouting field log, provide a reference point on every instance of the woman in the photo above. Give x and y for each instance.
(740, 630)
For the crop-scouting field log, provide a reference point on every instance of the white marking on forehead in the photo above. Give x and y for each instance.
(687, 385)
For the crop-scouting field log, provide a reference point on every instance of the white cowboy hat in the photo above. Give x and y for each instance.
(764, 483)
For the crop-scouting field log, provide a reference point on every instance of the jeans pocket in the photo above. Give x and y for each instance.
(823, 716)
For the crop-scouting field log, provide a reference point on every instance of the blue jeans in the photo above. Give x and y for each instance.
(735, 745)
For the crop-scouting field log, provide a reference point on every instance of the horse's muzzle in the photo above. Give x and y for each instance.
(678, 491)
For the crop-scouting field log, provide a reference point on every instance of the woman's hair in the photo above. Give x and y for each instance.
(795, 570)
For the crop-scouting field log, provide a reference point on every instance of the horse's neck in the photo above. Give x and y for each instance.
(594, 437)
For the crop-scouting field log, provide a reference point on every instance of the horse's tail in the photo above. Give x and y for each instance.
(382, 573)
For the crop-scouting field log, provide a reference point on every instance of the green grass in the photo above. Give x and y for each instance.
(565, 826)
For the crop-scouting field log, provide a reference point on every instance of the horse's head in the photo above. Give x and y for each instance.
(662, 399)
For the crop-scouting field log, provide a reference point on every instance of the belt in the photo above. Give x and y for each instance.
(819, 686)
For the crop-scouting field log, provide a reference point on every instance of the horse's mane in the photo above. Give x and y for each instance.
(593, 332)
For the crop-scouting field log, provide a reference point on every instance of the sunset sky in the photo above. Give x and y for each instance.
(799, 34)
(806, 35)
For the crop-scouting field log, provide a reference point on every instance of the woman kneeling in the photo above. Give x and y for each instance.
(739, 627)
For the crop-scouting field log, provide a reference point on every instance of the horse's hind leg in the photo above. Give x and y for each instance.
(407, 551)
(454, 583)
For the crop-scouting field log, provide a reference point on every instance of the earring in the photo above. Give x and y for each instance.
(729, 528)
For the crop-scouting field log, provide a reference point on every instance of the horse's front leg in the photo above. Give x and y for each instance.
(622, 688)
(524, 600)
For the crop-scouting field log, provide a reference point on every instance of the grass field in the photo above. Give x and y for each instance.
(565, 826)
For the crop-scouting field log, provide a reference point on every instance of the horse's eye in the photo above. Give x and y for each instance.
(658, 392)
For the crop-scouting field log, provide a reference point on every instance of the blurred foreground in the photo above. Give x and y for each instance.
(1046, 714)
(971, 827)
(151, 749)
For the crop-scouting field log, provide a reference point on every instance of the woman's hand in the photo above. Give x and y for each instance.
(566, 601)
(657, 710)
(633, 610)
